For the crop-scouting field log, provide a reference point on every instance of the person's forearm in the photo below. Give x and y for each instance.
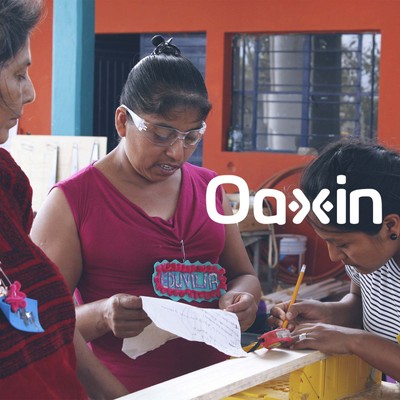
(97, 380)
(379, 352)
(90, 320)
(346, 312)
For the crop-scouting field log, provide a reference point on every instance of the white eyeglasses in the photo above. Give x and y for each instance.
(163, 136)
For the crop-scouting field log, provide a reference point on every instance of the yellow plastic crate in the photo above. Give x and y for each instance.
(329, 379)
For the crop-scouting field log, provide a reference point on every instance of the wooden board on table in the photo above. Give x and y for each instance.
(47, 159)
(228, 377)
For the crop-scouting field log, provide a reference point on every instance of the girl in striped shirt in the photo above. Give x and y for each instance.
(366, 322)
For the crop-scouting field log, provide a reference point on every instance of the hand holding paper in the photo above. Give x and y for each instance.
(217, 328)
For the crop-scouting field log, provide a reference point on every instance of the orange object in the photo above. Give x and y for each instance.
(277, 338)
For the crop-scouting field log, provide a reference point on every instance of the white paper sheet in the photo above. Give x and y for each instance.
(217, 328)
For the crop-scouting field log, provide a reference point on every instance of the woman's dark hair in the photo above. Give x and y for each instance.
(163, 81)
(365, 166)
(17, 19)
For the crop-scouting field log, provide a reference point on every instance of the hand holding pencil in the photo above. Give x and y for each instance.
(281, 336)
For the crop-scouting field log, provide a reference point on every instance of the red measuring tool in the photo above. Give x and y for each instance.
(280, 337)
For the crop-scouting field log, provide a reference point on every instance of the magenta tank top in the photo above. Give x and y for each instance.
(120, 244)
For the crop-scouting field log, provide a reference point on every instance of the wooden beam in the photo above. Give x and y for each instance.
(220, 380)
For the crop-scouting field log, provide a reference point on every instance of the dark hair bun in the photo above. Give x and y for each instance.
(163, 46)
(157, 40)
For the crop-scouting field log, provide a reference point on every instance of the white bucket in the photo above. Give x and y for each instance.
(292, 249)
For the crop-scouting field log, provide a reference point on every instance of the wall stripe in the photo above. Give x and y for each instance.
(73, 67)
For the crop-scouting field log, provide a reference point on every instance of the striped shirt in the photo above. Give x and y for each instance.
(380, 292)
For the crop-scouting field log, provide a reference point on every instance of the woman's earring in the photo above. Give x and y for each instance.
(393, 236)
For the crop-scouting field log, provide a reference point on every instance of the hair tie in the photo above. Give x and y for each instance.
(163, 46)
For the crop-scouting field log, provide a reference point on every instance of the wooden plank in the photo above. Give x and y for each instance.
(314, 291)
(220, 380)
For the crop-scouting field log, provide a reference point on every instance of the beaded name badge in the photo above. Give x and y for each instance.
(189, 281)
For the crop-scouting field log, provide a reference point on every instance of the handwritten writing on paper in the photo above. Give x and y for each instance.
(217, 328)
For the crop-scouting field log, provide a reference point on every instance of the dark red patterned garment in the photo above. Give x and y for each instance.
(33, 365)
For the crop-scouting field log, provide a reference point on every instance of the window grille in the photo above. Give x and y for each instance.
(302, 90)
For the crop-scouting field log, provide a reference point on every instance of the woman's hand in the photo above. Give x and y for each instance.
(329, 339)
(124, 315)
(242, 304)
(377, 351)
(304, 311)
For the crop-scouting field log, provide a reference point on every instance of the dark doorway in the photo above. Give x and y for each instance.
(115, 55)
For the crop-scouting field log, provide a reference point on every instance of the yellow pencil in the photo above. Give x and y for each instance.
(296, 290)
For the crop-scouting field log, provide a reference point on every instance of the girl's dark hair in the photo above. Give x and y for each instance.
(17, 19)
(366, 166)
(163, 81)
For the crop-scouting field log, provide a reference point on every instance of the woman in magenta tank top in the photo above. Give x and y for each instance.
(142, 206)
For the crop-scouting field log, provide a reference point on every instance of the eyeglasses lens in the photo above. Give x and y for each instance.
(163, 136)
